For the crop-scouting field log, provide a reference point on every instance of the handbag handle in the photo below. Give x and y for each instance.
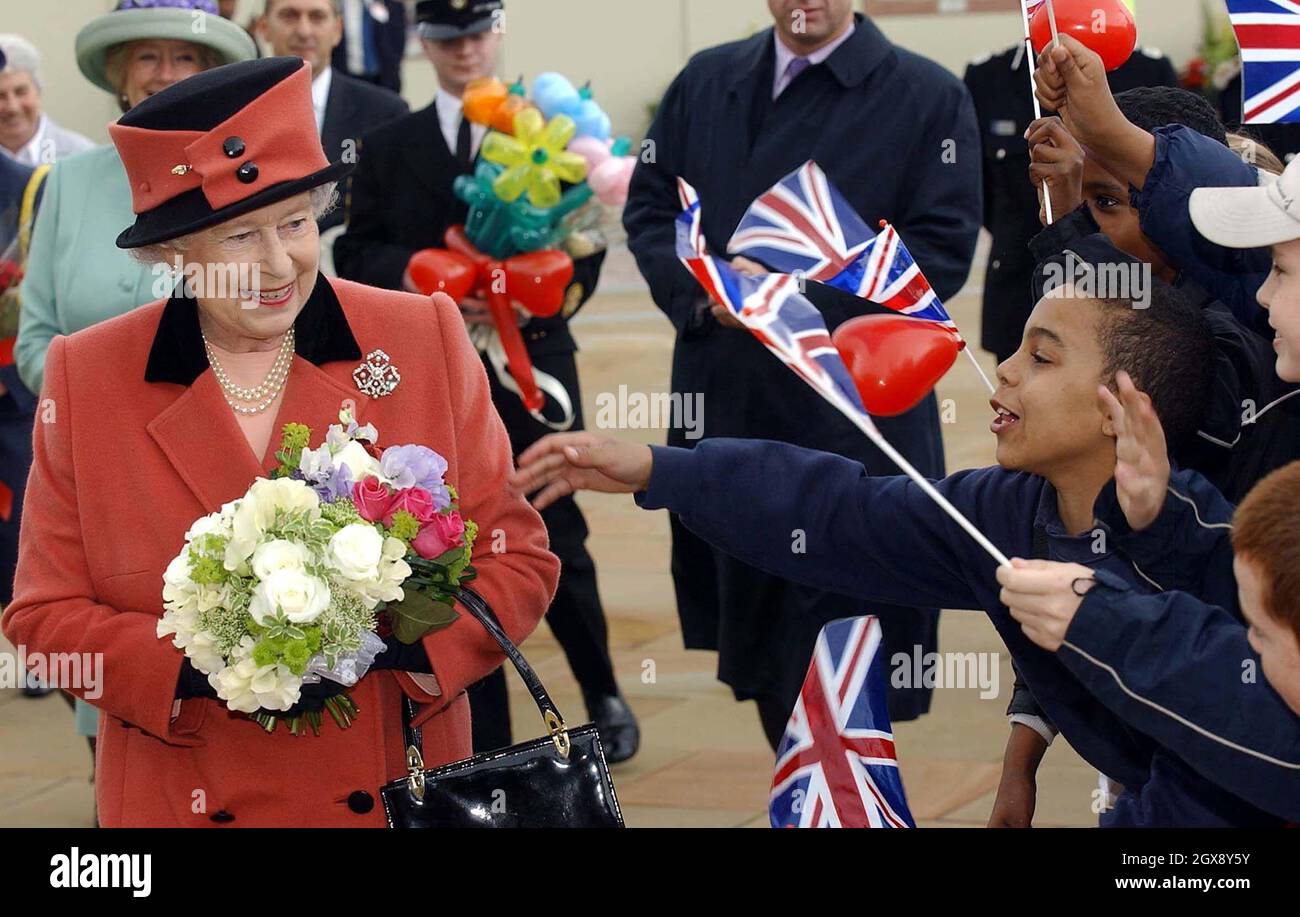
(479, 609)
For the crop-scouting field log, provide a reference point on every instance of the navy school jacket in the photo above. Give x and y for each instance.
(1202, 694)
(1187, 160)
(882, 540)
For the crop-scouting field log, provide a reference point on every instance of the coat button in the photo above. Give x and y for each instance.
(233, 147)
(1001, 153)
(247, 173)
(222, 817)
(361, 802)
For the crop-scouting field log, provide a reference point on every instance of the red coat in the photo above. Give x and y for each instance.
(123, 466)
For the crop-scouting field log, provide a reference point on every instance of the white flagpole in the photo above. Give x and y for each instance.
(866, 426)
(979, 369)
(1051, 19)
(1038, 109)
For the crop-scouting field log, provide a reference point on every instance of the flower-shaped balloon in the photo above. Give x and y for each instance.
(535, 158)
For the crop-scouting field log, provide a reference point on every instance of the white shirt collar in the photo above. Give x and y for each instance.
(784, 55)
(449, 109)
(320, 95)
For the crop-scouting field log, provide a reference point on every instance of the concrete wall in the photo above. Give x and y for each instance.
(630, 49)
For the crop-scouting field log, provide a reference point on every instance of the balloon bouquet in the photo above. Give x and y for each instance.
(520, 210)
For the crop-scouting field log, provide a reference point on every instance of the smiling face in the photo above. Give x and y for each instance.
(20, 109)
(253, 274)
(1280, 295)
(1108, 199)
(309, 29)
(1048, 421)
(1277, 643)
(151, 66)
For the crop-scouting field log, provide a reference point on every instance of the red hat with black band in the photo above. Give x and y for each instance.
(220, 144)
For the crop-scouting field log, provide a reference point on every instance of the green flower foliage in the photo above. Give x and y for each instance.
(405, 527)
(207, 560)
(340, 513)
(295, 437)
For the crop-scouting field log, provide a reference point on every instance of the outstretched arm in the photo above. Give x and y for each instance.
(808, 516)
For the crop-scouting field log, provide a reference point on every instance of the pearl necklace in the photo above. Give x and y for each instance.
(258, 399)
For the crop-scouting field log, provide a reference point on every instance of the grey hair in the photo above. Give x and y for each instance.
(323, 200)
(21, 55)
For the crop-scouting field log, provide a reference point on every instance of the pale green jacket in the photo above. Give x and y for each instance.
(76, 275)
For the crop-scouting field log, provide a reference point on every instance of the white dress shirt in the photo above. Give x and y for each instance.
(784, 56)
(450, 110)
(320, 96)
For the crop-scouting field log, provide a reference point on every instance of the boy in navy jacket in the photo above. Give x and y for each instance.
(1250, 425)
(882, 539)
(1203, 698)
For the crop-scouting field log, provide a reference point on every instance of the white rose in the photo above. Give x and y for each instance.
(355, 551)
(301, 598)
(279, 554)
(360, 462)
(257, 512)
(177, 573)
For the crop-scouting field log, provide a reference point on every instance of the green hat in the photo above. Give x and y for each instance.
(194, 21)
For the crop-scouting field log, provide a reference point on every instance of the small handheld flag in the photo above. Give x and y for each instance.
(836, 767)
(804, 226)
(777, 313)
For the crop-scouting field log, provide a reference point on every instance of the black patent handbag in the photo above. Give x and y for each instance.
(558, 781)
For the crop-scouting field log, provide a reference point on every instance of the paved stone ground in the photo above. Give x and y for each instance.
(703, 760)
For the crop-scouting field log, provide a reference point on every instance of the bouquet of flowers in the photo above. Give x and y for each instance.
(296, 580)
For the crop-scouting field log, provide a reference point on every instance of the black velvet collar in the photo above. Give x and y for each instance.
(321, 332)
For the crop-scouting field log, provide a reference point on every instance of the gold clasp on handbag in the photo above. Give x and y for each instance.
(415, 771)
(559, 733)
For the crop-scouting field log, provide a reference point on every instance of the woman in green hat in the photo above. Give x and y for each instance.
(75, 275)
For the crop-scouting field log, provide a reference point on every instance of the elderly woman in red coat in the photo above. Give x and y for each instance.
(153, 419)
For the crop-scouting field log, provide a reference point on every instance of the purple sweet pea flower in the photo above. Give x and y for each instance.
(416, 466)
(338, 486)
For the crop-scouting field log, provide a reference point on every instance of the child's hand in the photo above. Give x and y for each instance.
(1044, 596)
(1141, 455)
(1056, 159)
(1071, 81)
(563, 463)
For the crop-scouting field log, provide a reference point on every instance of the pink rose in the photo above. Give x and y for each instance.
(440, 535)
(415, 500)
(371, 498)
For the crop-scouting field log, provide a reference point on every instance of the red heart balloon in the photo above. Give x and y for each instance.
(895, 361)
(1105, 26)
(537, 280)
(438, 270)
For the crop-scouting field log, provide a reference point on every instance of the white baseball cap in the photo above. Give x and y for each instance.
(1259, 217)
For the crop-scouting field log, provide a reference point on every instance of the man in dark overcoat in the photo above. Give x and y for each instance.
(897, 135)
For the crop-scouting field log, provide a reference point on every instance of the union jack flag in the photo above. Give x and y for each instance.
(772, 308)
(835, 767)
(1268, 32)
(803, 226)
